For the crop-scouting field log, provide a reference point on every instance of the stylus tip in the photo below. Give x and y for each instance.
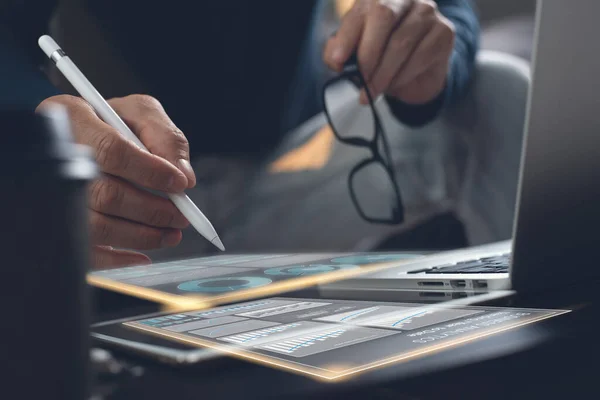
(217, 242)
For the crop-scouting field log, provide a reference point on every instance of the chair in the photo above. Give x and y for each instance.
(487, 127)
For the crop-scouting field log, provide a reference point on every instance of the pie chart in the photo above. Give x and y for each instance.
(308, 269)
(364, 259)
(220, 285)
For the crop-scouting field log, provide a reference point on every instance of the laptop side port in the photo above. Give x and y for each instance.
(431, 283)
(432, 294)
(458, 283)
(459, 295)
(480, 284)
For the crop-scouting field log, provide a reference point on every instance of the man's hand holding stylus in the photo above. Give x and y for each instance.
(121, 214)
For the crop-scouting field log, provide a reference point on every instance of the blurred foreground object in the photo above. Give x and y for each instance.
(45, 251)
(110, 374)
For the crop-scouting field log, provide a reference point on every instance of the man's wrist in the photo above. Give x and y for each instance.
(416, 115)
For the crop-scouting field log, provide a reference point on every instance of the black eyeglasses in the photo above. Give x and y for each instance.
(360, 126)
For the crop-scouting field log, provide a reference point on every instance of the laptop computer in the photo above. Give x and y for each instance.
(557, 219)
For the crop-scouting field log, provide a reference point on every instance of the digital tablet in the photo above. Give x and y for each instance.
(208, 281)
(114, 334)
(330, 339)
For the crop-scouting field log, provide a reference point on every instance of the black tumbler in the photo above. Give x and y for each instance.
(44, 257)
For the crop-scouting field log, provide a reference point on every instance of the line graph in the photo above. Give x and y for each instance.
(416, 319)
(358, 313)
(407, 320)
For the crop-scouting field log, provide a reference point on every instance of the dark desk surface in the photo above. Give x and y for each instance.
(553, 358)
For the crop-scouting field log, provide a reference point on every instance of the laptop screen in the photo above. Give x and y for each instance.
(558, 214)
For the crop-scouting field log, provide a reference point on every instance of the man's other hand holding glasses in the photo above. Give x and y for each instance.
(397, 48)
(403, 48)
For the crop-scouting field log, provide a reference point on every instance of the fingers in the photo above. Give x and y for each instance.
(381, 21)
(400, 48)
(111, 231)
(435, 47)
(148, 119)
(398, 43)
(113, 196)
(116, 155)
(107, 257)
(365, 29)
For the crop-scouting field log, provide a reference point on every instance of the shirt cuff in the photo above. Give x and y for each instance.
(417, 115)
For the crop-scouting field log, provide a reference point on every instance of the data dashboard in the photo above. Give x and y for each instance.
(330, 339)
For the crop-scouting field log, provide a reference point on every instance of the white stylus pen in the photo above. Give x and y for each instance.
(105, 111)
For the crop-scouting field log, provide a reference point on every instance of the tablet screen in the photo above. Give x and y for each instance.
(331, 339)
(227, 278)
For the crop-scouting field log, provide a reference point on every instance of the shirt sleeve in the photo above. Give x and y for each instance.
(463, 15)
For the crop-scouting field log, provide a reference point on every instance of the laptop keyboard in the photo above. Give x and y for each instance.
(486, 265)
